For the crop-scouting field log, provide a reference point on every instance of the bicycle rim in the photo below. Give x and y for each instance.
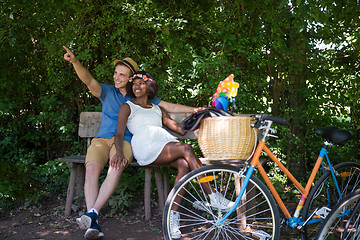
(256, 217)
(343, 220)
(324, 193)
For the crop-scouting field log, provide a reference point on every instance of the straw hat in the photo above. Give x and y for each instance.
(129, 63)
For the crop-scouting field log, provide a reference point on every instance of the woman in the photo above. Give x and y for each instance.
(152, 144)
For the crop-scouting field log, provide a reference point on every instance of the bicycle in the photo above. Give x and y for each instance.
(343, 222)
(255, 214)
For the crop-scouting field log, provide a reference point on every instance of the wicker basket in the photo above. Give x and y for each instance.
(223, 138)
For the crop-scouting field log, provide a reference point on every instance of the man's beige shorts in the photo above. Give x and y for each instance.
(101, 150)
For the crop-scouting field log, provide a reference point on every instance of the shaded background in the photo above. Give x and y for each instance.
(294, 59)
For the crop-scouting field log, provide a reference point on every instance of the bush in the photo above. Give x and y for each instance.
(27, 182)
(130, 185)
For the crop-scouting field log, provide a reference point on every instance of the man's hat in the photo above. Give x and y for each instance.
(129, 63)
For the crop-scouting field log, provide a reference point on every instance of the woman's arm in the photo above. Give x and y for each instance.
(171, 123)
(119, 157)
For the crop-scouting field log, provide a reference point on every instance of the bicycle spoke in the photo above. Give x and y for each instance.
(200, 218)
(343, 221)
(325, 194)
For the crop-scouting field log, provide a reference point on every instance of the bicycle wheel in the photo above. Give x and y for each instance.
(343, 221)
(324, 195)
(256, 217)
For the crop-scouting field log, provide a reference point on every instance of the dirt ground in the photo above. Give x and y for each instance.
(48, 222)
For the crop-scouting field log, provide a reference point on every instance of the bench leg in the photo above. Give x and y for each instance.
(160, 188)
(147, 193)
(241, 211)
(71, 189)
(80, 179)
(166, 182)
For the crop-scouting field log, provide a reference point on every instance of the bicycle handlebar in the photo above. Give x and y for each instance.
(277, 120)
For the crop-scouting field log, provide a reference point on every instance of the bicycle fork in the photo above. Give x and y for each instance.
(261, 235)
(249, 172)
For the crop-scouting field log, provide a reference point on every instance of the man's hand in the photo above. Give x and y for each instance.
(116, 162)
(69, 56)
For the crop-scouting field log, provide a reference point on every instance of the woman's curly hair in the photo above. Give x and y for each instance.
(151, 86)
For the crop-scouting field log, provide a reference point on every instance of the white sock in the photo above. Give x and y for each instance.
(94, 210)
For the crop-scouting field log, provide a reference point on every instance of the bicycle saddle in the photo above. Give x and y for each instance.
(334, 135)
(192, 122)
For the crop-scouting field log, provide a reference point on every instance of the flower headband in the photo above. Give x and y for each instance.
(144, 77)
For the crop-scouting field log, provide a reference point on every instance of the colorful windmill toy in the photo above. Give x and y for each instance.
(225, 93)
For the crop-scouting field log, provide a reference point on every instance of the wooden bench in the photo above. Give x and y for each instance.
(88, 127)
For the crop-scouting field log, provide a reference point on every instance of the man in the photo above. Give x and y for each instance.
(102, 148)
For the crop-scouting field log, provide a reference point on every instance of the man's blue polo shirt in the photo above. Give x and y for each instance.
(111, 100)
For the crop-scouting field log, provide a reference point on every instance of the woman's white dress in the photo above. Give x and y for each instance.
(149, 137)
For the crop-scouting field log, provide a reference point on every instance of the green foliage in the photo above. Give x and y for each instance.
(53, 177)
(275, 49)
(28, 182)
(127, 188)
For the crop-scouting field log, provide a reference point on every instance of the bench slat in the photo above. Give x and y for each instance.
(81, 159)
(73, 159)
(89, 124)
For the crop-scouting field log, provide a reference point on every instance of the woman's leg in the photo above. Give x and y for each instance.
(183, 168)
(175, 151)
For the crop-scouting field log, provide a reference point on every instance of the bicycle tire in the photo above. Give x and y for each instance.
(343, 227)
(257, 214)
(348, 178)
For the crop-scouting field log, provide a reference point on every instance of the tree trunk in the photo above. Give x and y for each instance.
(296, 100)
(296, 162)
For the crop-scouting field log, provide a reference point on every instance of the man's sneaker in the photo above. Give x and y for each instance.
(86, 220)
(219, 202)
(175, 225)
(94, 232)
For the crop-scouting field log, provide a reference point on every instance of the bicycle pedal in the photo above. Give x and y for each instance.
(323, 212)
(261, 235)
